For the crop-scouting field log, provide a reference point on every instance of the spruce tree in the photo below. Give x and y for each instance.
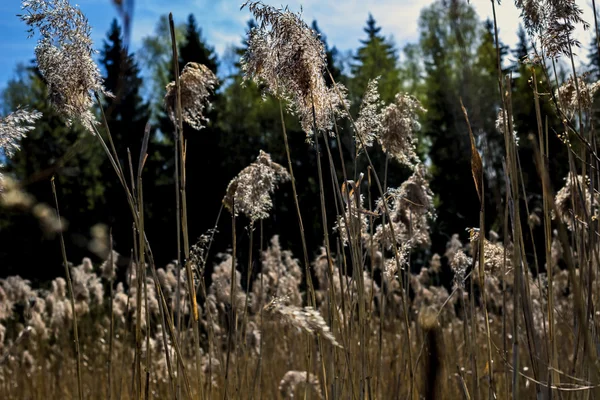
(521, 51)
(375, 57)
(126, 112)
(194, 48)
(127, 115)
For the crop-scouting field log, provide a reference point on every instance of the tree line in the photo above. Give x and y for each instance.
(454, 60)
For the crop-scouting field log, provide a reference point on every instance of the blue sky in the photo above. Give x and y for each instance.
(223, 23)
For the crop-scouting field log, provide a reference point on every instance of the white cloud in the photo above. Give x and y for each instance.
(223, 22)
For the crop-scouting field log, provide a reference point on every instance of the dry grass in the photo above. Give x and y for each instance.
(367, 327)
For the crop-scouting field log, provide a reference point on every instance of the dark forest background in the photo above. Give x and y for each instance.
(454, 58)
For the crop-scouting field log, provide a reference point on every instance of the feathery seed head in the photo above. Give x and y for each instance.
(197, 82)
(553, 22)
(64, 57)
(295, 380)
(567, 95)
(288, 57)
(399, 125)
(500, 125)
(249, 192)
(459, 264)
(14, 127)
(306, 319)
(369, 123)
(410, 207)
(280, 276)
(572, 207)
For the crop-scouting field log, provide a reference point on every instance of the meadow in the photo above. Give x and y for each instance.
(494, 316)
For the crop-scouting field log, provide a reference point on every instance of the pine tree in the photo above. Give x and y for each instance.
(377, 56)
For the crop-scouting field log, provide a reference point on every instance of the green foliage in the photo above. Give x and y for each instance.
(455, 58)
(156, 56)
(447, 45)
(53, 149)
(525, 121)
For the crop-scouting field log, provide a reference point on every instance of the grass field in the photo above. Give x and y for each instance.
(353, 322)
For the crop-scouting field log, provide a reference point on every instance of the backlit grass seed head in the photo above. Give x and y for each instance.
(500, 125)
(553, 22)
(15, 127)
(249, 192)
(64, 57)
(567, 95)
(410, 207)
(197, 83)
(280, 276)
(287, 56)
(220, 288)
(498, 260)
(357, 221)
(369, 123)
(459, 263)
(293, 382)
(2, 335)
(391, 265)
(87, 286)
(108, 269)
(556, 252)
(399, 126)
(306, 319)
(572, 208)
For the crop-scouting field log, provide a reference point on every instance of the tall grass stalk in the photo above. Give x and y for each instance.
(232, 332)
(311, 290)
(63, 252)
(111, 332)
(394, 245)
(308, 277)
(182, 196)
